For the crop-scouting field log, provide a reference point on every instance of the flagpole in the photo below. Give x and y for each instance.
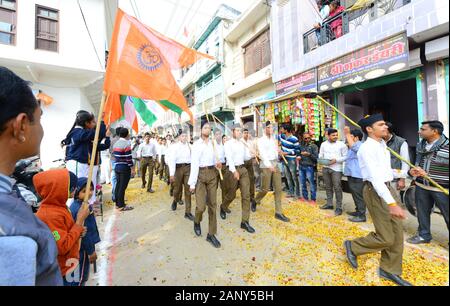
(213, 143)
(94, 149)
(445, 191)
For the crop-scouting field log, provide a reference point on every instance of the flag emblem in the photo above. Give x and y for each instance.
(149, 58)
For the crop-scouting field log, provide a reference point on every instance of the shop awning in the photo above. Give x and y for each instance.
(292, 94)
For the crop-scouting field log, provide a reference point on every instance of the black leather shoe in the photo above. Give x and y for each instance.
(174, 205)
(326, 207)
(358, 219)
(213, 240)
(418, 240)
(189, 216)
(282, 217)
(353, 214)
(338, 212)
(247, 227)
(197, 229)
(351, 257)
(253, 204)
(223, 214)
(394, 278)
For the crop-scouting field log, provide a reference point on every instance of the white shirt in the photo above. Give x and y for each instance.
(180, 153)
(250, 150)
(220, 152)
(337, 150)
(428, 146)
(268, 150)
(163, 149)
(146, 150)
(235, 153)
(203, 155)
(375, 163)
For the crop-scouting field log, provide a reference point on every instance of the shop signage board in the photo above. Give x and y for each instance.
(378, 60)
(305, 82)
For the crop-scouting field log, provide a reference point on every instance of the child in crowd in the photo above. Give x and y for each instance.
(88, 255)
(55, 187)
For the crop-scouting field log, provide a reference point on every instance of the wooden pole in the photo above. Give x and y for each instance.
(94, 149)
(213, 143)
(445, 191)
(215, 118)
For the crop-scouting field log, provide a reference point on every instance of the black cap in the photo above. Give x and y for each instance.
(268, 123)
(369, 120)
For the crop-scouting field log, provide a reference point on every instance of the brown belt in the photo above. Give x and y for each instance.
(208, 168)
(182, 165)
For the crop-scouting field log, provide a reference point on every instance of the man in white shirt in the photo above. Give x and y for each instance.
(335, 152)
(249, 162)
(179, 170)
(147, 155)
(269, 153)
(382, 202)
(203, 181)
(238, 176)
(163, 168)
(220, 149)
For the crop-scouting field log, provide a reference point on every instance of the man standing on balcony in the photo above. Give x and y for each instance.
(324, 11)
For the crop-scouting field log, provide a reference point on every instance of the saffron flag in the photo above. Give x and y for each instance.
(140, 65)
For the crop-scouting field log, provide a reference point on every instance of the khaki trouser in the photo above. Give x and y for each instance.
(206, 195)
(163, 168)
(181, 181)
(244, 186)
(266, 177)
(251, 175)
(388, 236)
(147, 163)
(223, 183)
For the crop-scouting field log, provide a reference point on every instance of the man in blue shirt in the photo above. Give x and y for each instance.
(353, 173)
(291, 148)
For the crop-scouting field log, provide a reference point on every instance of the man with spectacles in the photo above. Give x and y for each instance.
(307, 165)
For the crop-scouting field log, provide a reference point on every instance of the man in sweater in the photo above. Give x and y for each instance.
(432, 159)
(291, 148)
(307, 167)
(335, 153)
(123, 168)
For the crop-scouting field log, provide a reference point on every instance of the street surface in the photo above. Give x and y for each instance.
(153, 246)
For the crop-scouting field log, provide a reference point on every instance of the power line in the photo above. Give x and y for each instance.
(90, 36)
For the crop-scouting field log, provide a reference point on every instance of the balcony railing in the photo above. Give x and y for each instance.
(351, 20)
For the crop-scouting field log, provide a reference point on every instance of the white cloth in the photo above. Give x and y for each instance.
(235, 153)
(180, 153)
(268, 150)
(428, 146)
(220, 148)
(250, 150)
(163, 150)
(105, 171)
(146, 150)
(82, 170)
(404, 152)
(337, 150)
(203, 155)
(375, 162)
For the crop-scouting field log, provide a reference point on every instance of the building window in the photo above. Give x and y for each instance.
(257, 53)
(47, 28)
(8, 18)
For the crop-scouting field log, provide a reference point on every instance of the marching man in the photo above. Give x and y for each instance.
(382, 202)
(237, 176)
(203, 181)
(269, 153)
(180, 168)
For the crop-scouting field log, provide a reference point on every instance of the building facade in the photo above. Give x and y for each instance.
(248, 63)
(389, 57)
(59, 46)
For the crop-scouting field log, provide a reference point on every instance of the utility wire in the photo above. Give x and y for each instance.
(90, 36)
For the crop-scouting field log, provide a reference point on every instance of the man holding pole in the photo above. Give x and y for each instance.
(269, 152)
(203, 181)
(235, 154)
(249, 160)
(382, 202)
(180, 168)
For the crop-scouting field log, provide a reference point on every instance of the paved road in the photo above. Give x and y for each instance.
(154, 246)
